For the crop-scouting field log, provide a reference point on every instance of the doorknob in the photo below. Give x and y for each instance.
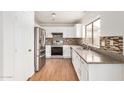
(29, 50)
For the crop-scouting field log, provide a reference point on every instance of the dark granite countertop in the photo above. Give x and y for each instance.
(92, 57)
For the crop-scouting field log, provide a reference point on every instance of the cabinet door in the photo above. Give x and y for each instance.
(78, 28)
(76, 63)
(73, 56)
(84, 71)
(68, 32)
(48, 51)
(66, 51)
(74, 59)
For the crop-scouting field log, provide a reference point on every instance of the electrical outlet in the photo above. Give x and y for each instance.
(111, 42)
(103, 43)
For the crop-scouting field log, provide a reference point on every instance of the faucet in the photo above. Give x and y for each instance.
(87, 46)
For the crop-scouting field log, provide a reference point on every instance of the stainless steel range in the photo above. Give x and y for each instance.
(57, 46)
(57, 38)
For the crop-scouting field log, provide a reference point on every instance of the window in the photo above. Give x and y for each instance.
(92, 33)
(96, 33)
(83, 34)
(89, 34)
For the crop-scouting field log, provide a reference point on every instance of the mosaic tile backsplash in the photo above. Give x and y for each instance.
(71, 41)
(112, 43)
(66, 41)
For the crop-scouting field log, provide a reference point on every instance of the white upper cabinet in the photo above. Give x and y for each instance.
(68, 31)
(78, 30)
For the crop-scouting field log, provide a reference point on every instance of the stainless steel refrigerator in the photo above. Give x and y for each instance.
(39, 48)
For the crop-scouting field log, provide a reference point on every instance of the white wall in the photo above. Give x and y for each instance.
(1, 47)
(112, 23)
(68, 31)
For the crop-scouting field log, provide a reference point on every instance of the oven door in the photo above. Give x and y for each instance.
(56, 50)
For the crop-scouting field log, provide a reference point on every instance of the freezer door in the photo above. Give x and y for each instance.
(39, 62)
(36, 63)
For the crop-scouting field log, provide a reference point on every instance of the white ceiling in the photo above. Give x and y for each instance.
(62, 17)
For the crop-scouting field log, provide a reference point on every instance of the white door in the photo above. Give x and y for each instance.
(24, 45)
(19, 59)
(28, 42)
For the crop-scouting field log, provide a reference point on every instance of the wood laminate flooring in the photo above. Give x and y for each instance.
(56, 69)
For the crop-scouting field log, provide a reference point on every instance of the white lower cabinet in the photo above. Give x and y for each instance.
(96, 72)
(78, 66)
(84, 71)
(48, 51)
(105, 72)
(66, 51)
(76, 63)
